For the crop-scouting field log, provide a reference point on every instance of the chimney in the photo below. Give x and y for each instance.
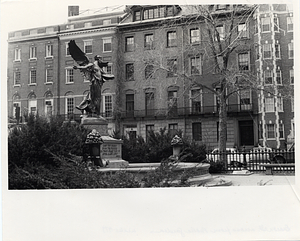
(73, 11)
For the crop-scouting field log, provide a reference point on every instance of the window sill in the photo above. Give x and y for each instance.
(17, 61)
(17, 85)
(33, 84)
(32, 59)
(69, 83)
(48, 83)
(108, 51)
(49, 57)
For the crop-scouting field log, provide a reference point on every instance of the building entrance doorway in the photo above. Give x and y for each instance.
(246, 133)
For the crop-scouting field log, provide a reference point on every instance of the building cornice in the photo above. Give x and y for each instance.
(35, 37)
(71, 33)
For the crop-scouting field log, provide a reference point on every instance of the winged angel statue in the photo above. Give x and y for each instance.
(94, 73)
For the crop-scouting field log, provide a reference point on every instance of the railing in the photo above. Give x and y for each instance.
(252, 160)
(184, 111)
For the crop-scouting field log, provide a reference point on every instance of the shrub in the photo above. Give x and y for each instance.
(27, 144)
(216, 167)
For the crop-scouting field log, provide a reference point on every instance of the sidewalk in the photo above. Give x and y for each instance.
(257, 179)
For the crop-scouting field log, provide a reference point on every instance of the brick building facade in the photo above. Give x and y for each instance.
(142, 45)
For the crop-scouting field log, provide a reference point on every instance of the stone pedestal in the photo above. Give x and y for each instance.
(111, 149)
(97, 123)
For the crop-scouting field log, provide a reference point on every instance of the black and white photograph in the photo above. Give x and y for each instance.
(132, 122)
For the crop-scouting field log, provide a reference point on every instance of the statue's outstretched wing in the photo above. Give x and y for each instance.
(77, 54)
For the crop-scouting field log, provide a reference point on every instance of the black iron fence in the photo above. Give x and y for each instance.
(254, 160)
(184, 111)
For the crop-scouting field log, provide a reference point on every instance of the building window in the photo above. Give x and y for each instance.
(195, 36)
(129, 44)
(137, 16)
(171, 39)
(129, 72)
(129, 105)
(149, 71)
(172, 102)
(49, 75)
(88, 46)
(290, 25)
(108, 105)
(281, 131)
(69, 76)
(16, 110)
(17, 78)
(148, 14)
(108, 68)
(280, 103)
(270, 131)
(18, 54)
(243, 31)
(49, 50)
(220, 30)
(268, 77)
(269, 104)
(291, 50)
(292, 76)
(32, 106)
(276, 24)
(149, 129)
(32, 76)
(107, 45)
(172, 67)
(106, 21)
(173, 129)
(170, 11)
(69, 106)
(278, 77)
(277, 51)
(148, 41)
(267, 54)
(196, 101)
(265, 23)
(245, 100)
(197, 131)
(196, 65)
(67, 50)
(32, 52)
(244, 61)
(149, 103)
(48, 107)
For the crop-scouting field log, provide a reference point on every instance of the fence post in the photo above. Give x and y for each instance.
(244, 157)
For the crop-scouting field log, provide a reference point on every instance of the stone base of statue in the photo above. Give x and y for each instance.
(97, 123)
(111, 152)
(110, 149)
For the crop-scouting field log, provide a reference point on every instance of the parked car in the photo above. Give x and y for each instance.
(260, 154)
(233, 157)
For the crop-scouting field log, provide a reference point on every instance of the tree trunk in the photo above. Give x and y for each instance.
(222, 126)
